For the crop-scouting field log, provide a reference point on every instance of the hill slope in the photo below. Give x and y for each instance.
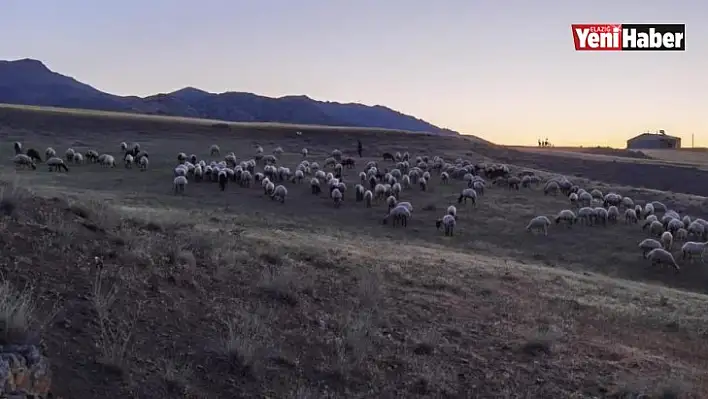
(30, 82)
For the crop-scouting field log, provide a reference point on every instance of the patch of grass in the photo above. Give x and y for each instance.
(17, 314)
(541, 341)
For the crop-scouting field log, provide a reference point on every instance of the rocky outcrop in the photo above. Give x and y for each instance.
(24, 372)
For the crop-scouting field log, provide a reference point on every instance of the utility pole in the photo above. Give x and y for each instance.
(692, 140)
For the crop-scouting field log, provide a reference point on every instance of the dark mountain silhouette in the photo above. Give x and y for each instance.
(30, 82)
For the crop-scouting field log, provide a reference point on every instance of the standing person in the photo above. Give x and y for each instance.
(359, 147)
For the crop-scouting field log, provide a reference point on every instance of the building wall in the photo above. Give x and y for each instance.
(653, 143)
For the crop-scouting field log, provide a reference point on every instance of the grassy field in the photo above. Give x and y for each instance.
(692, 157)
(229, 294)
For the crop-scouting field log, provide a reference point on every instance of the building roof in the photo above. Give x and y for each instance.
(654, 136)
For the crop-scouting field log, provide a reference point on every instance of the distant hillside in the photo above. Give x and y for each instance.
(30, 82)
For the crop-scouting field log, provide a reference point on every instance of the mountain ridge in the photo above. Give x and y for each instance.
(30, 82)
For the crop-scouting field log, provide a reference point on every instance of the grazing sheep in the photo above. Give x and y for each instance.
(368, 197)
(391, 202)
(18, 148)
(214, 150)
(674, 225)
(78, 158)
(280, 193)
(648, 221)
(399, 214)
(539, 223)
(448, 222)
(647, 245)
(268, 188)
(406, 205)
(452, 211)
(613, 214)
(468, 193)
(92, 156)
(124, 146)
(56, 164)
(691, 248)
(662, 256)
(686, 221)
(681, 235)
(696, 229)
(423, 184)
(181, 157)
(573, 197)
(567, 216)
(50, 153)
(128, 161)
(656, 228)
(144, 162)
(69, 154)
(630, 216)
(223, 178)
(304, 152)
(315, 185)
(22, 160)
(34, 155)
(107, 160)
(667, 240)
(180, 182)
(648, 210)
(336, 197)
(552, 187)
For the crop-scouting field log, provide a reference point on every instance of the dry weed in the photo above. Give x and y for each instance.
(17, 314)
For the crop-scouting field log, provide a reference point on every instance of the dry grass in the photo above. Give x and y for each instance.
(230, 294)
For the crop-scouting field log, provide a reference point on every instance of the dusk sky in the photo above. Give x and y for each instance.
(504, 70)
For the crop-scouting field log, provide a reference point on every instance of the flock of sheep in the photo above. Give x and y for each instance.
(594, 208)
(380, 183)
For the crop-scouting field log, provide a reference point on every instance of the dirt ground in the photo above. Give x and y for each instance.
(229, 294)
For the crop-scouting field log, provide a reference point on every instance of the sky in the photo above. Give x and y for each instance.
(503, 70)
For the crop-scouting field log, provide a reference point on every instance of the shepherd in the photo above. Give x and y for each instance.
(359, 148)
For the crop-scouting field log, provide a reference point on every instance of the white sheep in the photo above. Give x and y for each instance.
(214, 150)
(315, 186)
(649, 220)
(304, 152)
(391, 202)
(406, 205)
(452, 211)
(128, 160)
(107, 160)
(399, 214)
(662, 256)
(368, 197)
(468, 193)
(280, 193)
(448, 223)
(22, 160)
(656, 228)
(613, 214)
(681, 235)
(691, 248)
(69, 154)
(667, 240)
(145, 162)
(539, 223)
(56, 164)
(567, 216)
(268, 188)
(686, 221)
(674, 225)
(124, 146)
(630, 216)
(179, 182)
(647, 245)
(336, 197)
(78, 158)
(648, 210)
(573, 197)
